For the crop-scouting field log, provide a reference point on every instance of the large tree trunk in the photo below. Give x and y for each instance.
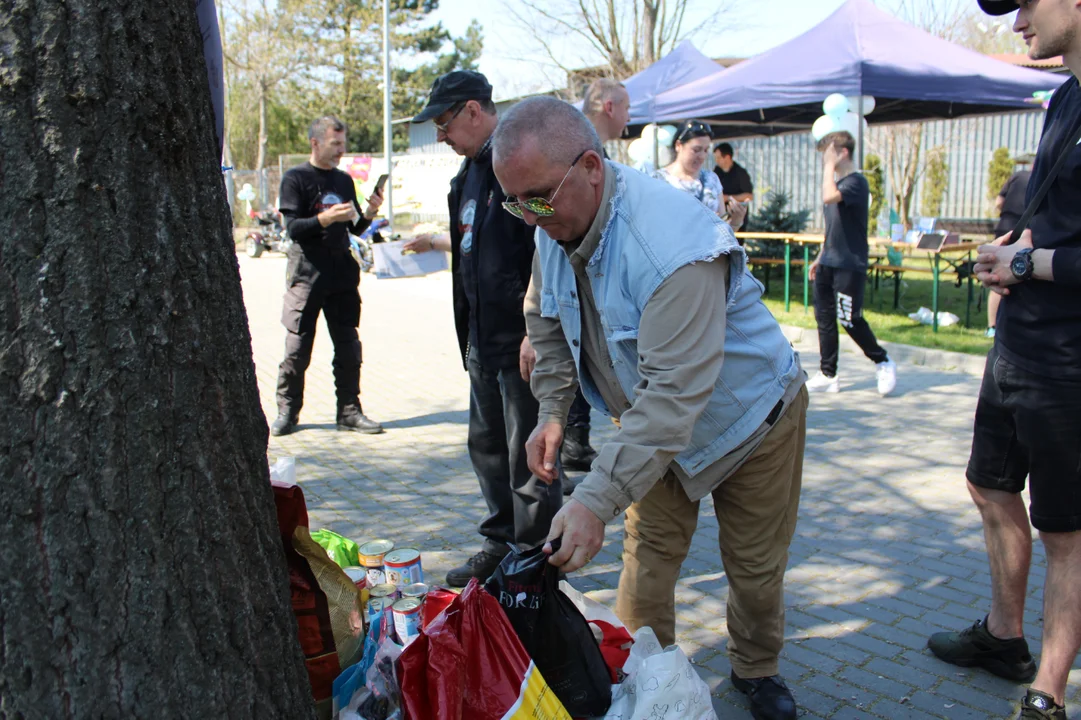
(141, 572)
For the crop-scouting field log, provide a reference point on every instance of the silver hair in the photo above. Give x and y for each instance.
(562, 130)
(318, 128)
(598, 93)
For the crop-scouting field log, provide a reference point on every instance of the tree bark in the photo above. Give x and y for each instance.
(260, 158)
(141, 570)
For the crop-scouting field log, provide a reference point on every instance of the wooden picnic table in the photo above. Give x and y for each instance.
(806, 240)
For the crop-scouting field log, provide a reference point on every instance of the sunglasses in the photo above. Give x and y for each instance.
(695, 129)
(539, 206)
(442, 127)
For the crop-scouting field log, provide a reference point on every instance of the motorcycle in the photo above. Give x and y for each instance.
(362, 244)
(270, 235)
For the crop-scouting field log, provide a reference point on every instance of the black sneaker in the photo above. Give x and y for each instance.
(977, 647)
(284, 425)
(1040, 706)
(480, 566)
(354, 420)
(576, 453)
(770, 697)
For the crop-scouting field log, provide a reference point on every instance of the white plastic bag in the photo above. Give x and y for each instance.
(284, 472)
(660, 685)
(926, 317)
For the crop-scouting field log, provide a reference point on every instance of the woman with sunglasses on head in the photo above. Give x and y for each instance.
(689, 173)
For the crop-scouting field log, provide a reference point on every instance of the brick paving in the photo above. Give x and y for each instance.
(888, 547)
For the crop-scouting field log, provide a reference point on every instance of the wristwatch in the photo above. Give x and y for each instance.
(1021, 265)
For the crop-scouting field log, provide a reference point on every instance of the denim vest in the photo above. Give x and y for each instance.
(653, 230)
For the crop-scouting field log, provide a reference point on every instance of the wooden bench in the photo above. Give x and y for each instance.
(768, 263)
(897, 270)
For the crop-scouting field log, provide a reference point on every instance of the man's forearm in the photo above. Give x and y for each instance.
(303, 229)
(1062, 265)
(554, 379)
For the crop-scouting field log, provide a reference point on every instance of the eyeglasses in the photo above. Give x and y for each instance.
(442, 127)
(695, 129)
(539, 206)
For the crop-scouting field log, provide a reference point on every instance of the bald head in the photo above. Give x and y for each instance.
(563, 132)
(607, 105)
(545, 148)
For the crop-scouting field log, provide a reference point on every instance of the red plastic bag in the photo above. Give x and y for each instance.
(468, 664)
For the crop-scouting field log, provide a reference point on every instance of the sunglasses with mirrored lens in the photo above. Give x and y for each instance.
(540, 207)
(695, 129)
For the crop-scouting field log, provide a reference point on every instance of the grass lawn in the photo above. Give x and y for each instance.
(894, 325)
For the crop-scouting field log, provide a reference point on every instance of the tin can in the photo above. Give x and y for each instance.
(359, 576)
(371, 557)
(407, 619)
(403, 567)
(416, 590)
(385, 591)
(376, 607)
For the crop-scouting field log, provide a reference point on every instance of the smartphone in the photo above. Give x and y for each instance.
(381, 182)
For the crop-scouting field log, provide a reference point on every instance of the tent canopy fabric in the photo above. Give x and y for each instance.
(683, 65)
(858, 50)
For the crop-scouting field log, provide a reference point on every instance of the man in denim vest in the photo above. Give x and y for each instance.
(641, 296)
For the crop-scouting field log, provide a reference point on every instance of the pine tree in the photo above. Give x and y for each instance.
(775, 217)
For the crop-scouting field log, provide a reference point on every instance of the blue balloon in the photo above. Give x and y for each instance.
(835, 105)
(823, 126)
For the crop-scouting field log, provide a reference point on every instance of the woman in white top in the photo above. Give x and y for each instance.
(688, 172)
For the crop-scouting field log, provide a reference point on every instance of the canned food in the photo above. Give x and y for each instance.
(371, 557)
(403, 567)
(416, 590)
(407, 619)
(360, 578)
(385, 591)
(376, 607)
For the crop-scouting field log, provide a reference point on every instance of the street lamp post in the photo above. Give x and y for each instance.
(388, 189)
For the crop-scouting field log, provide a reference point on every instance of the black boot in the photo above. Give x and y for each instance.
(576, 453)
(353, 419)
(770, 697)
(284, 425)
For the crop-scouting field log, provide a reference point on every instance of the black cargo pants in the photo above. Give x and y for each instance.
(319, 279)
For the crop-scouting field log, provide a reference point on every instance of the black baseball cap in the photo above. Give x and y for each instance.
(998, 7)
(450, 89)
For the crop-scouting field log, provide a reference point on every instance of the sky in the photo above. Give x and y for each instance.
(516, 64)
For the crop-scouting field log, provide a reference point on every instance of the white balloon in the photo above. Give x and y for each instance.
(641, 150)
(823, 126)
(868, 104)
(835, 105)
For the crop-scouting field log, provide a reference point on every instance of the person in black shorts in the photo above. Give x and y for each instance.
(1028, 418)
(839, 273)
(319, 204)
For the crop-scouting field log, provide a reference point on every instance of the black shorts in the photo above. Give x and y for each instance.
(1028, 425)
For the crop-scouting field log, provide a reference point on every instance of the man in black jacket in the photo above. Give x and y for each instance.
(491, 260)
(319, 204)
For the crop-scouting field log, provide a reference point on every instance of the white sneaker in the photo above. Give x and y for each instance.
(887, 377)
(821, 383)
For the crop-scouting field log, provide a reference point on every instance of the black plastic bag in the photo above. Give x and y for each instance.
(553, 631)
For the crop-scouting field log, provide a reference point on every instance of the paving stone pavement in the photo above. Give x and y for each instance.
(888, 548)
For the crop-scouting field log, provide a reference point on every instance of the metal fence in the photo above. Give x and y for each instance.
(790, 163)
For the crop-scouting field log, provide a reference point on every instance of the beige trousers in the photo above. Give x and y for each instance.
(756, 509)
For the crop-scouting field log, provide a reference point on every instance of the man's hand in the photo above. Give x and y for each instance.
(812, 271)
(542, 449)
(993, 262)
(342, 212)
(582, 535)
(375, 201)
(737, 211)
(527, 359)
(830, 158)
(424, 242)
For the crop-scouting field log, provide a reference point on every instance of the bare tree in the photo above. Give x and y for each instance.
(141, 568)
(624, 35)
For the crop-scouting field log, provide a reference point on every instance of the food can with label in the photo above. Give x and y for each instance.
(407, 619)
(403, 567)
(359, 576)
(376, 607)
(416, 590)
(385, 591)
(371, 557)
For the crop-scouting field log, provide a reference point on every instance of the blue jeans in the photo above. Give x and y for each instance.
(502, 414)
(579, 413)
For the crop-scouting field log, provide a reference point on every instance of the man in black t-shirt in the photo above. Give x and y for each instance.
(840, 271)
(735, 180)
(319, 204)
(1028, 417)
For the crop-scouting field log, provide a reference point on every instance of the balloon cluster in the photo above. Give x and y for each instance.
(641, 150)
(840, 115)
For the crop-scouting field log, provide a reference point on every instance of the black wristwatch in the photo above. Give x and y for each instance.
(1021, 265)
